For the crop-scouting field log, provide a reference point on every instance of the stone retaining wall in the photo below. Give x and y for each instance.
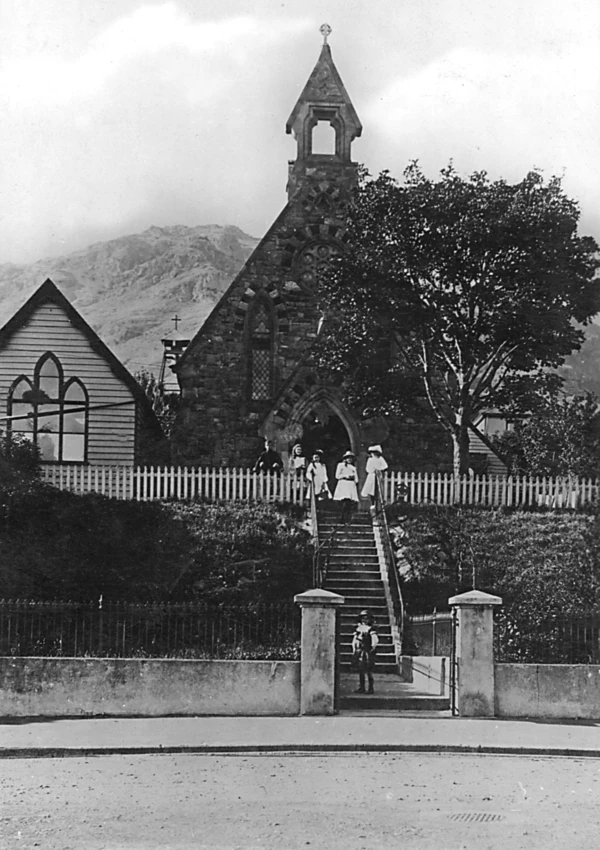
(74, 687)
(547, 690)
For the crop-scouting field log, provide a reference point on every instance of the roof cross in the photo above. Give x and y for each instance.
(325, 31)
(176, 320)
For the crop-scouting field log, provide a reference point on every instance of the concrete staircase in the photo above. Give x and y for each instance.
(354, 573)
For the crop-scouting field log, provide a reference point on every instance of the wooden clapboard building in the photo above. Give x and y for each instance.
(61, 387)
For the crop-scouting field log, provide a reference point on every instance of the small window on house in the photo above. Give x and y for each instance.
(261, 354)
(49, 376)
(75, 413)
(495, 424)
(323, 138)
(51, 413)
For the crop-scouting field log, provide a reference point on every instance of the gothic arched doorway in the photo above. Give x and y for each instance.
(327, 432)
(320, 421)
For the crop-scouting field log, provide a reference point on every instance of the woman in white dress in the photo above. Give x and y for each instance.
(316, 475)
(346, 490)
(375, 463)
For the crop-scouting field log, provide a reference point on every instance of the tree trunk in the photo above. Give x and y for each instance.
(460, 445)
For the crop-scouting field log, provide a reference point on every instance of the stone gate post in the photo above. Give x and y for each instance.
(475, 652)
(318, 649)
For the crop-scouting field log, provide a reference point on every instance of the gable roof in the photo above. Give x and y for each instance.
(48, 292)
(325, 86)
(206, 324)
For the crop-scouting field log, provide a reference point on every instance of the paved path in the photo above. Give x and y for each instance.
(346, 732)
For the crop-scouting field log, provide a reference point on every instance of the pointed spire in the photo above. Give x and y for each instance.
(323, 100)
(324, 88)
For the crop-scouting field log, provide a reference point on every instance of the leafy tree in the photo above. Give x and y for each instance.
(19, 471)
(545, 565)
(562, 437)
(474, 284)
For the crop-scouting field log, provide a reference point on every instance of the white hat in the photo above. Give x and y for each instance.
(375, 449)
(349, 454)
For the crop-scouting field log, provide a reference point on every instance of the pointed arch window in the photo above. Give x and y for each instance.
(51, 412)
(261, 353)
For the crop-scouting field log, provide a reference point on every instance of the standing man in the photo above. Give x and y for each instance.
(269, 460)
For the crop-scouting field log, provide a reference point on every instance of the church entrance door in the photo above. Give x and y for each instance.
(327, 432)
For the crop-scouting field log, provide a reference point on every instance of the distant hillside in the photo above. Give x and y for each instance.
(128, 289)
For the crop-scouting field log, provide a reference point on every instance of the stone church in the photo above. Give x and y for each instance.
(247, 374)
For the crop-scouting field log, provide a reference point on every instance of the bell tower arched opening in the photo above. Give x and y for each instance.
(323, 139)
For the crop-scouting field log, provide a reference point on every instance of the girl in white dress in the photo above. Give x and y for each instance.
(375, 463)
(316, 475)
(346, 490)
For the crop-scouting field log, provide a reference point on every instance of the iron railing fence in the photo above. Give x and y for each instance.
(557, 640)
(154, 630)
(428, 634)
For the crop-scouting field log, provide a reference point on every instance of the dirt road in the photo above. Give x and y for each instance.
(399, 801)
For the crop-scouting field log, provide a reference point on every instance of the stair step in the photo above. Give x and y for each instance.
(367, 528)
(350, 556)
(354, 551)
(336, 513)
(385, 652)
(360, 601)
(385, 639)
(337, 576)
(346, 667)
(367, 702)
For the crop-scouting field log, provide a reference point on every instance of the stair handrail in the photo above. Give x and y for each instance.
(320, 547)
(380, 518)
(314, 518)
(321, 559)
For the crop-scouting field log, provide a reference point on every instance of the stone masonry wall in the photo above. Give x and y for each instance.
(218, 424)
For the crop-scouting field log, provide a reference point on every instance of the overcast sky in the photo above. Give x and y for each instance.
(118, 115)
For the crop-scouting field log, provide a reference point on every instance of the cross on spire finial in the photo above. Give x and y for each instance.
(325, 31)
(176, 320)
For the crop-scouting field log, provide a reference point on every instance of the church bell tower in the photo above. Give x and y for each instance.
(324, 112)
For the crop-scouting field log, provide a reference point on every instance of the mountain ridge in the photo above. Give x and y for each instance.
(128, 288)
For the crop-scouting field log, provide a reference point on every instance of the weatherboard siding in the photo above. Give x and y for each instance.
(112, 430)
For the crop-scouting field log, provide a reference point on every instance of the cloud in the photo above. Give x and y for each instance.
(44, 80)
(504, 112)
(142, 126)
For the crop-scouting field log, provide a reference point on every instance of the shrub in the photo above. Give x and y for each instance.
(542, 564)
(60, 545)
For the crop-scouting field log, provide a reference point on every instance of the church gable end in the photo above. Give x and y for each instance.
(234, 370)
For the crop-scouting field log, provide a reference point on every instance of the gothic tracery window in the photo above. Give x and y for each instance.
(51, 411)
(313, 262)
(261, 354)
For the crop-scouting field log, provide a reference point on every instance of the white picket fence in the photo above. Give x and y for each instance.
(178, 482)
(491, 490)
(228, 485)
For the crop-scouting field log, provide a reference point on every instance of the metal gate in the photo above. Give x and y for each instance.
(435, 635)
